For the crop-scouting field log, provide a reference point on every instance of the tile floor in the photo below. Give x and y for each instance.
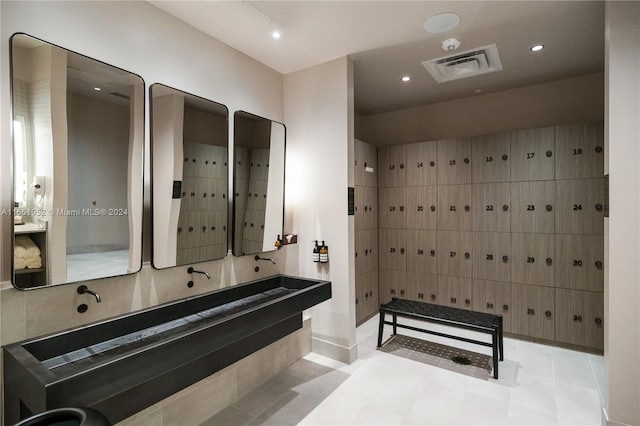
(86, 266)
(405, 385)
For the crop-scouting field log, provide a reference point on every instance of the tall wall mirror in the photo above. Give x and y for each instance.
(258, 183)
(78, 166)
(190, 140)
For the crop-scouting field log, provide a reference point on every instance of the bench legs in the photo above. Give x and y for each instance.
(380, 328)
(495, 338)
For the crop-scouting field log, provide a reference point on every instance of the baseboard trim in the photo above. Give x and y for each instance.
(332, 350)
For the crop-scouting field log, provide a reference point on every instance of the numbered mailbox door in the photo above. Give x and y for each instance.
(425, 285)
(454, 207)
(491, 158)
(393, 248)
(493, 297)
(533, 311)
(532, 259)
(454, 161)
(532, 154)
(392, 211)
(392, 164)
(455, 292)
(454, 254)
(580, 151)
(580, 206)
(391, 284)
(580, 318)
(580, 262)
(421, 207)
(492, 211)
(492, 256)
(532, 207)
(421, 164)
(422, 253)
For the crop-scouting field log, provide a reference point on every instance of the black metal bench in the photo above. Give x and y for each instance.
(455, 317)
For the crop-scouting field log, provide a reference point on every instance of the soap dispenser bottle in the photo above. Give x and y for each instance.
(316, 252)
(324, 253)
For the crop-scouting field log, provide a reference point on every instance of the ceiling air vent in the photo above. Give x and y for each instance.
(473, 62)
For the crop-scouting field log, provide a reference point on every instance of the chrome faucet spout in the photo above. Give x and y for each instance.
(264, 258)
(190, 270)
(83, 289)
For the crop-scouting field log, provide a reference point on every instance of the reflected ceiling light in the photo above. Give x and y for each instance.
(406, 78)
(97, 89)
(477, 91)
(537, 48)
(275, 34)
(442, 22)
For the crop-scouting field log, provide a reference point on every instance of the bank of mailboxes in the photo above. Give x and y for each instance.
(509, 223)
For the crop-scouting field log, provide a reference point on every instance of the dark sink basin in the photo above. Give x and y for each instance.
(125, 364)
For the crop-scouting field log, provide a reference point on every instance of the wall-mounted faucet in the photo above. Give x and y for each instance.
(264, 258)
(83, 289)
(190, 270)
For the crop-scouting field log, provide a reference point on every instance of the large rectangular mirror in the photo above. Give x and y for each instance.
(78, 166)
(190, 177)
(258, 183)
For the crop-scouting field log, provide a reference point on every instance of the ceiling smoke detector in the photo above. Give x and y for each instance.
(451, 44)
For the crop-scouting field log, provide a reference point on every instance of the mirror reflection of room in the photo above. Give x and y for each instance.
(78, 166)
(259, 158)
(190, 169)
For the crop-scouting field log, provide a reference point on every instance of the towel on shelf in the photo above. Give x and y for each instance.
(26, 253)
(25, 247)
(19, 263)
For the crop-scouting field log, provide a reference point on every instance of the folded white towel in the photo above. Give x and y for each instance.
(19, 263)
(34, 262)
(25, 247)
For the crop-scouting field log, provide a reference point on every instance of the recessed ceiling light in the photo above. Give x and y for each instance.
(406, 78)
(97, 89)
(537, 48)
(275, 34)
(442, 22)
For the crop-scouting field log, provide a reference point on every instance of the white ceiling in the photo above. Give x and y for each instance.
(386, 40)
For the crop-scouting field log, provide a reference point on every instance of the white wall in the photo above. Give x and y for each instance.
(319, 119)
(622, 230)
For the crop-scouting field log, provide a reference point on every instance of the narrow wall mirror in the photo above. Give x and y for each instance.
(78, 166)
(189, 137)
(258, 183)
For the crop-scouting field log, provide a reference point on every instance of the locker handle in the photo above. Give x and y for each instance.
(598, 264)
(505, 307)
(401, 251)
(599, 207)
(548, 314)
(190, 228)
(204, 195)
(467, 301)
(467, 208)
(467, 255)
(505, 208)
(598, 321)
(402, 292)
(598, 149)
(401, 208)
(549, 207)
(433, 208)
(356, 254)
(433, 253)
(180, 229)
(402, 165)
(549, 153)
(433, 297)
(577, 318)
(432, 163)
(204, 229)
(505, 157)
(366, 295)
(505, 259)
(356, 301)
(549, 261)
(466, 161)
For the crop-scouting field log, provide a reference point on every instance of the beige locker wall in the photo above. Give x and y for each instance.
(508, 223)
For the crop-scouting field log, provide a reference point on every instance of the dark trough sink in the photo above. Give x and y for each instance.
(125, 364)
